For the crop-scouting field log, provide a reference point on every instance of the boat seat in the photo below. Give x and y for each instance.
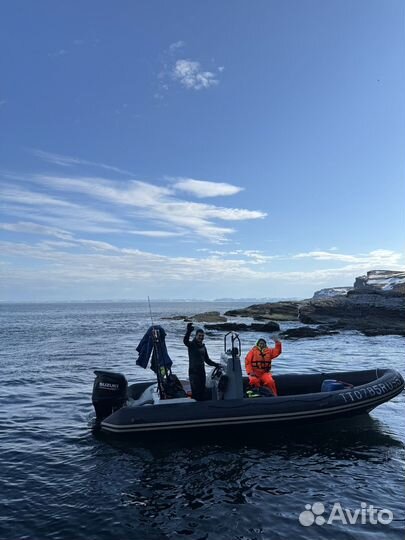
(146, 398)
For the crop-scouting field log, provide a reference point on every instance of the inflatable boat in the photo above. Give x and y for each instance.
(302, 398)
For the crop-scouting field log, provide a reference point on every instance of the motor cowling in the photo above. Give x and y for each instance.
(110, 392)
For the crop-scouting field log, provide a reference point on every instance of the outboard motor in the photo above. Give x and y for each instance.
(109, 393)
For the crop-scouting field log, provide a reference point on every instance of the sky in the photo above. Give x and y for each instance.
(191, 149)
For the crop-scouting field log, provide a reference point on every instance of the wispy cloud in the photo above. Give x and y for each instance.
(57, 212)
(63, 213)
(190, 74)
(25, 197)
(203, 188)
(176, 45)
(67, 161)
(377, 258)
(28, 227)
(157, 234)
(253, 256)
(157, 204)
(59, 52)
(102, 262)
(121, 263)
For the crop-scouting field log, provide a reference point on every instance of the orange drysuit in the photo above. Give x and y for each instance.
(258, 366)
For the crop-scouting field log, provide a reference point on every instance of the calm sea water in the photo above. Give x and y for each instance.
(60, 481)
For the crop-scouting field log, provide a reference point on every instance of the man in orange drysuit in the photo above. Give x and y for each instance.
(258, 364)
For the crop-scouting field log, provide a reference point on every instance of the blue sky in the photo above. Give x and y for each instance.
(199, 149)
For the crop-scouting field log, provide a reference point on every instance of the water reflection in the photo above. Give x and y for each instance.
(340, 437)
(200, 488)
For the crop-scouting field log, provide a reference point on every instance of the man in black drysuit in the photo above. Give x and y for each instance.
(197, 355)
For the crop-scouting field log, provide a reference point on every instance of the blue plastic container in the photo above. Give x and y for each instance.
(330, 385)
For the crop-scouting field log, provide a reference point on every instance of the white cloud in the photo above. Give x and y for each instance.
(326, 256)
(67, 161)
(157, 234)
(376, 258)
(122, 264)
(70, 262)
(28, 205)
(176, 45)
(12, 194)
(102, 262)
(232, 214)
(204, 188)
(35, 228)
(55, 54)
(157, 204)
(252, 256)
(190, 74)
(97, 245)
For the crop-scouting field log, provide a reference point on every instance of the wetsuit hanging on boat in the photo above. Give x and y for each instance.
(258, 364)
(197, 356)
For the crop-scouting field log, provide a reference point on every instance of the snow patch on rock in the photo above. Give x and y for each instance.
(385, 280)
(332, 291)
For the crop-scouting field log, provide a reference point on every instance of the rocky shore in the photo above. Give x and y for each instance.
(374, 305)
(270, 326)
(207, 316)
(274, 311)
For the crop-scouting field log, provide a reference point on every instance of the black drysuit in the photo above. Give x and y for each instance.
(197, 355)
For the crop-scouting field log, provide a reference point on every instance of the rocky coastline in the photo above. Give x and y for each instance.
(374, 305)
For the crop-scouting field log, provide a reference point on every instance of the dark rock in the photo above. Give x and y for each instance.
(242, 327)
(277, 311)
(381, 332)
(209, 316)
(374, 306)
(306, 332)
(269, 326)
(228, 327)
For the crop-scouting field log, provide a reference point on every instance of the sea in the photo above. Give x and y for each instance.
(61, 480)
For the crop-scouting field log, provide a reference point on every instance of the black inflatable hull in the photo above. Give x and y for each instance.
(299, 401)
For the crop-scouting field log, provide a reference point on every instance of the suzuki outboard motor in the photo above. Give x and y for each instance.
(109, 393)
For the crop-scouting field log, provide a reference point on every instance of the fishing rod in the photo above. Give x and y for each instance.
(150, 311)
